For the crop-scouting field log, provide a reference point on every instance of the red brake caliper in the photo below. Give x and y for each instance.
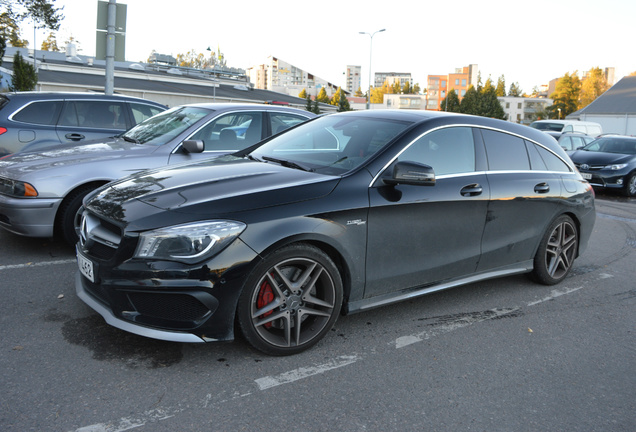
(265, 297)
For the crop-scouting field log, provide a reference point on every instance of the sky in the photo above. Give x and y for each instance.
(528, 42)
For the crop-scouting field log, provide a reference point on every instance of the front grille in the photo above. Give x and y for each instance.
(170, 307)
(98, 238)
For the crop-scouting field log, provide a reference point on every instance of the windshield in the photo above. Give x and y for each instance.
(547, 126)
(613, 145)
(163, 127)
(332, 145)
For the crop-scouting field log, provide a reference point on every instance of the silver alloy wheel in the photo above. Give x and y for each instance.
(630, 187)
(293, 302)
(560, 250)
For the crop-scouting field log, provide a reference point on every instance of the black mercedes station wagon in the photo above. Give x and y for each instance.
(341, 214)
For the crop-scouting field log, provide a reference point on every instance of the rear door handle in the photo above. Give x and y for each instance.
(542, 188)
(74, 136)
(471, 190)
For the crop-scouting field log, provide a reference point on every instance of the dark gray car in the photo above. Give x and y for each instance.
(33, 121)
(40, 192)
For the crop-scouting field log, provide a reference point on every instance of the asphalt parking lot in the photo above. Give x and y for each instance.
(501, 355)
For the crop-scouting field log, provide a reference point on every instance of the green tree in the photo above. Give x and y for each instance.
(501, 86)
(302, 94)
(515, 90)
(322, 96)
(316, 107)
(406, 89)
(3, 46)
(24, 77)
(594, 85)
(396, 88)
(470, 101)
(415, 89)
(489, 105)
(309, 105)
(565, 97)
(452, 99)
(340, 100)
(42, 12)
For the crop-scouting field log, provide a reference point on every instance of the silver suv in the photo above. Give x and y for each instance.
(33, 121)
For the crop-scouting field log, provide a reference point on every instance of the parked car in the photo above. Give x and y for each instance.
(561, 126)
(31, 121)
(570, 141)
(40, 192)
(345, 212)
(609, 162)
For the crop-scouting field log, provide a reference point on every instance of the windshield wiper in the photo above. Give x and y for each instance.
(287, 163)
(129, 139)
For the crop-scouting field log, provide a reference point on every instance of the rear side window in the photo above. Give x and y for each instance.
(282, 121)
(41, 113)
(505, 152)
(94, 114)
(142, 111)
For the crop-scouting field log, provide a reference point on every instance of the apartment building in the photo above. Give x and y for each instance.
(460, 80)
(354, 81)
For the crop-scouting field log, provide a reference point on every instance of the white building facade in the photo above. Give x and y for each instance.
(523, 110)
(354, 81)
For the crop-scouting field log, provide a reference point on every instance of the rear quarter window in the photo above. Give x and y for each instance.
(505, 152)
(40, 113)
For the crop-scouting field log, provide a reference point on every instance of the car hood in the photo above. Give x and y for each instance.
(114, 148)
(212, 188)
(599, 158)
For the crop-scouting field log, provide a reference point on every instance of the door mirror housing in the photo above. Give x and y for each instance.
(411, 173)
(193, 146)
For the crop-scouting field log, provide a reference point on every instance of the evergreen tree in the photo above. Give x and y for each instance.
(453, 102)
(322, 96)
(3, 46)
(406, 89)
(309, 106)
(489, 103)
(396, 88)
(343, 103)
(515, 90)
(316, 108)
(24, 77)
(501, 86)
(470, 102)
(416, 89)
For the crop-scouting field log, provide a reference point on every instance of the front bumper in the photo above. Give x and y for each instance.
(606, 178)
(166, 300)
(31, 217)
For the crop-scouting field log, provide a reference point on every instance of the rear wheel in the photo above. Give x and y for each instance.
(556, 253)
(290, 301)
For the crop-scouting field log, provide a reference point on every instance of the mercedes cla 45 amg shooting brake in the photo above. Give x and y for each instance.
(343, 213)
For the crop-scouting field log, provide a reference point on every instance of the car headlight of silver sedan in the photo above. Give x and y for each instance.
(17, 188)
(188, 243)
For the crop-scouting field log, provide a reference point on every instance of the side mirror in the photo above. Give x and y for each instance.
(193, 146)
(411, 173)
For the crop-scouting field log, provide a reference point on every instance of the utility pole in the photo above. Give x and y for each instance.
(110, 48)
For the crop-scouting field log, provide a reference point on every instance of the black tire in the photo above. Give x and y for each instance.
(557, 251)
(630, 186)
(65, 219)
(290, 300)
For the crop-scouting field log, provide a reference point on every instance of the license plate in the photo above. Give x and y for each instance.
(586, 176)
(86, 267)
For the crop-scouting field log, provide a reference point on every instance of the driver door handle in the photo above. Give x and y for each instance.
(542, 188)
(74, 136)
(471, 190)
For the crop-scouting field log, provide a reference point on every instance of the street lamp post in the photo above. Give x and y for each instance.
(370, 54)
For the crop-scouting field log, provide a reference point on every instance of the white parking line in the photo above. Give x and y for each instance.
(305, 372)
(554, 294)
(36, 264)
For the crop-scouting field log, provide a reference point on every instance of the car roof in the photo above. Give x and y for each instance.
(33, 95)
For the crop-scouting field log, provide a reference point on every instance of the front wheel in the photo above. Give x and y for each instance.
(630, 186)
(290, 301)
(556, 253)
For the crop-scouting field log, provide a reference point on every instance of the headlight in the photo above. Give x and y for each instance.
(189, 242)
(17, 188)
(616, 167)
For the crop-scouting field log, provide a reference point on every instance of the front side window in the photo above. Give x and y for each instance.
(447, 151)
(42, 113)
(233, 131)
